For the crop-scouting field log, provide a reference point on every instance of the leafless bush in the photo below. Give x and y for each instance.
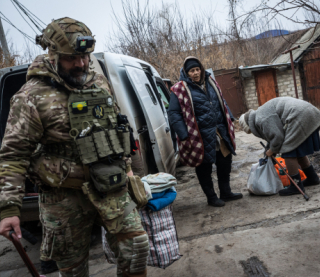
(17, 56)
(3, 61)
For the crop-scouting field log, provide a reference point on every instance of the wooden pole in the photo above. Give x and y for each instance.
(4, 45)
(292, 68)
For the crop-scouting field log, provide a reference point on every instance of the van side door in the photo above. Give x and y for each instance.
(155, 114)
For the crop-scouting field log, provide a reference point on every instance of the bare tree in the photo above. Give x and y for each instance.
(287, 9)
(164, 37)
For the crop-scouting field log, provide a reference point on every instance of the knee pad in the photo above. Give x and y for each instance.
(79, 270)
(140, 254)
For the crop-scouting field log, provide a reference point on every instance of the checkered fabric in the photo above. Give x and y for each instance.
(163, 239)
(191, 150)
(228, 117)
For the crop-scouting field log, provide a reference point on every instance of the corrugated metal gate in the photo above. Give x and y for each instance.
(311, 68)
(312, 74)
(231, 86)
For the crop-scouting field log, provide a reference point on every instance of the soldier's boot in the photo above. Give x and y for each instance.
(226, 194)
(137, 274)
(212, 197)
(81, 269)
(48, 266)
(291, 190)
(312, 177)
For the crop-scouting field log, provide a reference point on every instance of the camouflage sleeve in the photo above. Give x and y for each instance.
(23, 131)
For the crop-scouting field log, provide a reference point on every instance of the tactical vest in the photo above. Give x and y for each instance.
(99, 141)
(94, 126)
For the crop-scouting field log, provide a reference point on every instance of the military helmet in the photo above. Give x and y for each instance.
(66, 36)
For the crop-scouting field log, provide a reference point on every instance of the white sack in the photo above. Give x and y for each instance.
(264, 179)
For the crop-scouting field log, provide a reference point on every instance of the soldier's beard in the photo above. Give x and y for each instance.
(72, 76)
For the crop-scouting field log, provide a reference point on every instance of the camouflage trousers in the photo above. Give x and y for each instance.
(67, 216)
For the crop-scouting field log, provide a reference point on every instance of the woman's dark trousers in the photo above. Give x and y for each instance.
(204, 172)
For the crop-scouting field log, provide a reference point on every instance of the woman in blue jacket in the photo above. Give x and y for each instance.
(213, 121)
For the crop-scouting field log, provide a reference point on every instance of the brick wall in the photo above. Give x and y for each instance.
(251, 93)
(285, 87)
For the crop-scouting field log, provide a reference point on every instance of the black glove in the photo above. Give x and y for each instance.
(122, 119)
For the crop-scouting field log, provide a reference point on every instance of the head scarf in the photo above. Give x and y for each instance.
(243, 120)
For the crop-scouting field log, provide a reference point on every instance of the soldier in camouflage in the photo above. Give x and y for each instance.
(69, 203)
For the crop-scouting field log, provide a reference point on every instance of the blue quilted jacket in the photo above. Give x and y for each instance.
(209, 116)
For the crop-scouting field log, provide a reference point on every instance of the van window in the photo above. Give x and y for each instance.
(151, 95)
(154, 89)
(164, 99)
(104, 69)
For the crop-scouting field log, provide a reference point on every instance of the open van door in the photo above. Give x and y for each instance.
(10, 83)
(158, 128)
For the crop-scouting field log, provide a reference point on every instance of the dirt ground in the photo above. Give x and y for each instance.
(255, 236)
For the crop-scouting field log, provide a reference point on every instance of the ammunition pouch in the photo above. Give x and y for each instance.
(102, 144)
(87, 150)
(108, 177)
(124, 135)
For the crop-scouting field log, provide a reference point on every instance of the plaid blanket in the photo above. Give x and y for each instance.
(192, 149)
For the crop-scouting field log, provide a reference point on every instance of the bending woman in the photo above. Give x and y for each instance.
(291, 127)
(202, 122)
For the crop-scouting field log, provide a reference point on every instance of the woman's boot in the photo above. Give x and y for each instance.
(223, 173)
(312, 177)
(212, 197)
(226, 194)
(292, 188)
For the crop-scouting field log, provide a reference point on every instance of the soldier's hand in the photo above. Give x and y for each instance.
(130, 173)
(9, 223)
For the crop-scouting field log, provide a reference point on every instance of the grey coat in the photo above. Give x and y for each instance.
(284, 122)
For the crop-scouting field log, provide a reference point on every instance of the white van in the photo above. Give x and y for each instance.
(141, 95)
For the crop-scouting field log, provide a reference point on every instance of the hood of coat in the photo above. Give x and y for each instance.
(184, 76)
(41, 66)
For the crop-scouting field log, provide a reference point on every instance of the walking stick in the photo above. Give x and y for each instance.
(293, 182)
(24, 256)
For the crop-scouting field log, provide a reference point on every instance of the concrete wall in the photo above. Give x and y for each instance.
(285, 87)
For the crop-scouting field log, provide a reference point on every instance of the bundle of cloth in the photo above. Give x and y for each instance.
(160, 190)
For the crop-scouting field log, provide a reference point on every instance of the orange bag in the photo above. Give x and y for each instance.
(283, 177)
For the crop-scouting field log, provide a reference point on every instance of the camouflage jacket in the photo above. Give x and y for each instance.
(38, 114)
